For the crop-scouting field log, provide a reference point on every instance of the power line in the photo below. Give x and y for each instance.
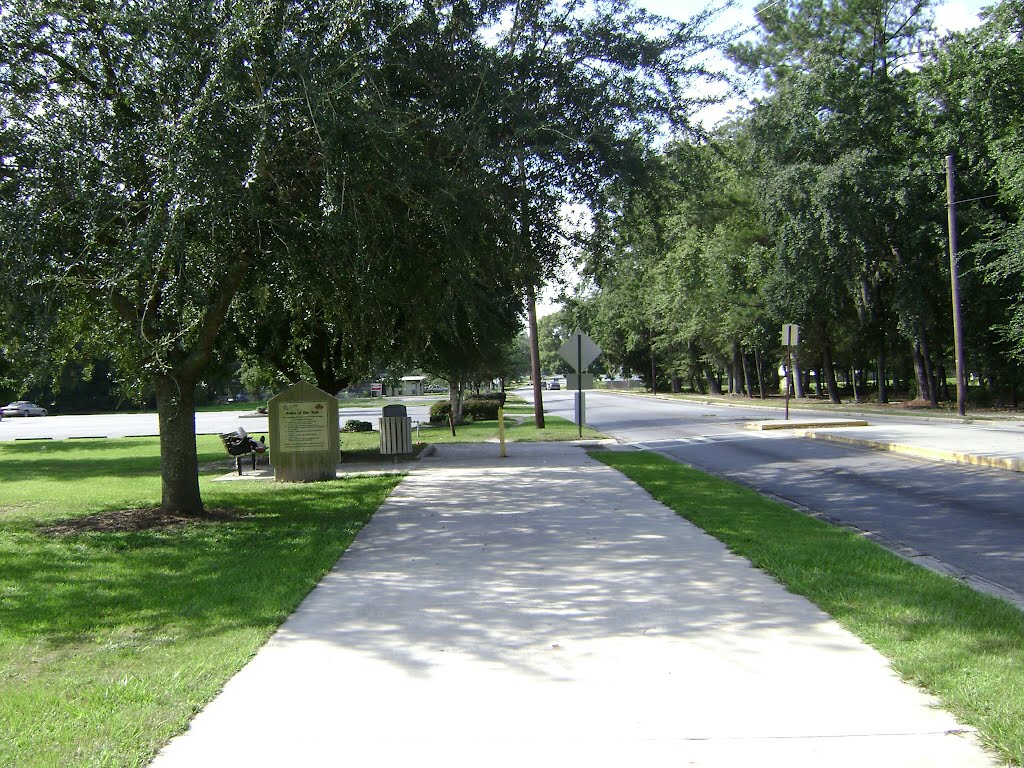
(973, 199)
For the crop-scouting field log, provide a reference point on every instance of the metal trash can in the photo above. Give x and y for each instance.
(395, 431)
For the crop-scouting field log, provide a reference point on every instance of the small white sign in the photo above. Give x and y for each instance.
(790, 335)
(579, 351)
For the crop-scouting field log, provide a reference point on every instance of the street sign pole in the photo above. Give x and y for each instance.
(579, 351)
(789, 375)
(790, 336)
(579, 382)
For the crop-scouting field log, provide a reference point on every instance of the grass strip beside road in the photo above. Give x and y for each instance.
(111, 641)
(963, 647)
(365, 446)
(522, 430)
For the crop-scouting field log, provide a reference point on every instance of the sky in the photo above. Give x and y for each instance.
(950, 16)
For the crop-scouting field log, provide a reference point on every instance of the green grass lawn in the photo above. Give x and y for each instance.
(110, 642)
(964, 647)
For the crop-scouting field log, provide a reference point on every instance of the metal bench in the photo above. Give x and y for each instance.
(241, 447)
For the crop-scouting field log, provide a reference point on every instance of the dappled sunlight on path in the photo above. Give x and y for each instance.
(543, 608)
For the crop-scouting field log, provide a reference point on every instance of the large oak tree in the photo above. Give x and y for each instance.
(320, 178)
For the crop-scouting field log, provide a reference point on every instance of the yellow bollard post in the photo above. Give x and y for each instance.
(501, 431)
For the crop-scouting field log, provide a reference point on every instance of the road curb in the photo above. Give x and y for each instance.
(804, 424)
(851, 409)
(952, 457)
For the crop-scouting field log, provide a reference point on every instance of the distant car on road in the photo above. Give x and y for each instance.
(554, 385)
(23, 408)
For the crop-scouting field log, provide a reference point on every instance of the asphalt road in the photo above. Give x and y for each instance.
(138, 424)
(968, 518)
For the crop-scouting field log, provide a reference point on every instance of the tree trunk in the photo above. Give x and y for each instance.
(320, 359)
(933, 395)
(830, 374)
(538, 397)
(179, 462)
(758, 363)
(746, 374)
(736, 370)
(714, 385)
(921, 372)
(654, 371)
(694, 364)
(798, 378)
(677, 384)
(883, 381)
(456, 390)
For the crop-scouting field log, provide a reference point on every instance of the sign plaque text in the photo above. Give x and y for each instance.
(305, 427)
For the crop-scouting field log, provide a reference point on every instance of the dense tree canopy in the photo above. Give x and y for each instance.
(824, 205)
(326, 186)
(976, 105)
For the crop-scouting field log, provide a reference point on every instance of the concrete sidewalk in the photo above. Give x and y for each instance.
(542, 610)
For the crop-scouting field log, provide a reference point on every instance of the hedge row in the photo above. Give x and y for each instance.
(476, 408)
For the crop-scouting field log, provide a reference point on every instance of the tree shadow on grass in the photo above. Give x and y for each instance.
(201, 579)
(64, 460)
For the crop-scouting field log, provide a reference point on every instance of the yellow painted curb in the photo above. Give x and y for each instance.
(953, 457)
(767, 425)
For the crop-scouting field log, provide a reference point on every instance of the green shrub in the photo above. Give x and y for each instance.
(480, 409)
(473, 409)
(354, 425)
(439, 412)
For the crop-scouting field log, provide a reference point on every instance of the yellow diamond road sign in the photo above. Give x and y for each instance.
(579, 351)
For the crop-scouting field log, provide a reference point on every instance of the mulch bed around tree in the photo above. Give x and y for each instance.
(128, 520)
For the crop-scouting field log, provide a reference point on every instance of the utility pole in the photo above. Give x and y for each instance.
(531, 319)
(954, 279)
(531, 297)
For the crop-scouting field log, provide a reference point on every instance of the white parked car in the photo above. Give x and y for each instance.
(23, 408)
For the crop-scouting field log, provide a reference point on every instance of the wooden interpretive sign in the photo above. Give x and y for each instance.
(304, 440)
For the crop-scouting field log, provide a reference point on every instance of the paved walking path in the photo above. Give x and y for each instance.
(541, 610)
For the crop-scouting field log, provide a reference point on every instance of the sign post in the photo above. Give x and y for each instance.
(579, 351)
(790, 337)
